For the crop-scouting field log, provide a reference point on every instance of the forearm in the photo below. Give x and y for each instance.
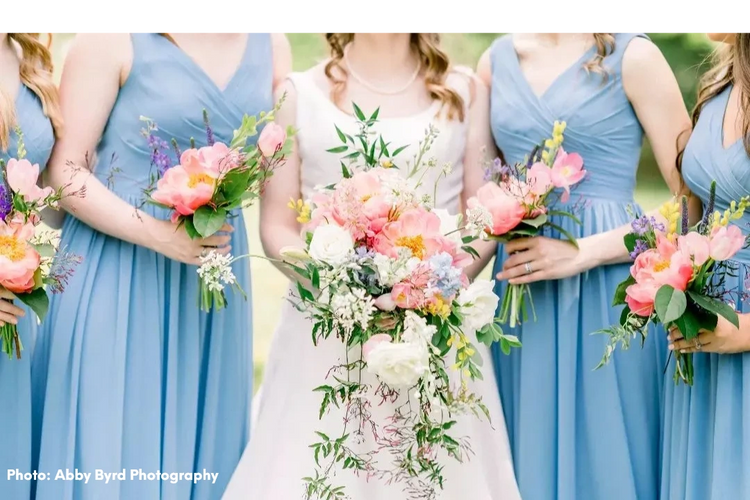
(486, 251)
(103, 210)
(274, 240)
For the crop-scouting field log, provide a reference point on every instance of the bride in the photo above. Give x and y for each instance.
(409, 78)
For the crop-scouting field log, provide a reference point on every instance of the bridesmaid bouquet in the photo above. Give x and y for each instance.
(382, 272)
(519, 198)
(28, 262)
(678, 275)
(206, 184)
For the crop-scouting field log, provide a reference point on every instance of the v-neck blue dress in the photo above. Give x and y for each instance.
(131, 374)
(707, 427)
(577, 433)
(15, 374)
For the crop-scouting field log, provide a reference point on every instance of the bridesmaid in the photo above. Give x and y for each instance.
(133, 375)
(706, 451)
(578, 433)
(28, 98)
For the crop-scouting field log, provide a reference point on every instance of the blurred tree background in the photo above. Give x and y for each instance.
(685, 52)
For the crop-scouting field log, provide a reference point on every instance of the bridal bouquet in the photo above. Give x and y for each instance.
(519, 198)
(28, 261)
(206, 184)
(678, 276)
(383, 273)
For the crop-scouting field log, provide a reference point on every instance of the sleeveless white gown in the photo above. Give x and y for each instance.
(286, 409)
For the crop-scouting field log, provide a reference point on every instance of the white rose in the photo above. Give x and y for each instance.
(448, 224)
(398, 365)
(331, 244)
(478, 304)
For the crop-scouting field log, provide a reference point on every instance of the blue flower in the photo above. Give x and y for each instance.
(445, 277)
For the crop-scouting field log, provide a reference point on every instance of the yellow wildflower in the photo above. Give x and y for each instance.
(559, 128)
(386, 163)
(439, 307)
(545, 156)
(550, 143)
(466, 372)
(671, 212)
(302, 208)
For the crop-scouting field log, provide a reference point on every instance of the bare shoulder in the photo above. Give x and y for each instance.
(280, 43)
(484, 67)
(108, 52)
(644, 66)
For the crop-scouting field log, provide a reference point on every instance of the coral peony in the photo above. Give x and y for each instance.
(18, 259)
(506, 210)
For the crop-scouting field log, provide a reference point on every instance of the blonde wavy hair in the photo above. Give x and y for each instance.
(605, 45)
(435, 63)
(36, 73)
(731, 67)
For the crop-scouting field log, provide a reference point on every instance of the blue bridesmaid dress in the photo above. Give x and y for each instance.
(706, 452)
(15, 374)
(577, 433)
(131, 374)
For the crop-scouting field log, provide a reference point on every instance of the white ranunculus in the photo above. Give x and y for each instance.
(294, 254)
(448, 224)
(478, 304)
(399, 365)
(331, 244)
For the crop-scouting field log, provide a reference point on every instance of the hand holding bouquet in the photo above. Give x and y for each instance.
(28, 261)
(384, 275)
(678, 276)
(207, 184)
(519, 199)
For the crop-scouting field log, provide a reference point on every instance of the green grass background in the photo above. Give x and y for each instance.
(684, 51)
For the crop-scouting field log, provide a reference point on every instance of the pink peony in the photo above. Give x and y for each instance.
(539, 179)
(23, 178)
(408, 295)
(654, 268)
(188, 186)
(566, 171)
(725, 242)
(218, 158)
(416, 229)
(372, 342)
(506, 210)
(18, 259)
(696, 245)
(271, 139)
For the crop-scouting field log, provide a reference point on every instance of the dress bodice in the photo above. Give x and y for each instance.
(602, 125)
(37, 130)
(166, 85)
(706, 160)
(317, 115)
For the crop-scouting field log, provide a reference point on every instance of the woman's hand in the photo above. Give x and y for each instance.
(9, 313)
(540, 258)
(725, 339)
(175, 243)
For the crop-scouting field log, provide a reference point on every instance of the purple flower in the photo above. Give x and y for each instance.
(640, 225)
(209, 131)
(640, 247)
(6, 202)
(63, 267)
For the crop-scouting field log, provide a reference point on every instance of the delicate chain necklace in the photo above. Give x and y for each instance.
(378, 90)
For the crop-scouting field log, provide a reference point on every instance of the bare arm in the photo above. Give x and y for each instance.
(90, 83)
(652, 89)
(282, 58)
(278, 223)
(479, 143)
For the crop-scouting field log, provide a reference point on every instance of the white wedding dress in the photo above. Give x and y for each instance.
(286, 411)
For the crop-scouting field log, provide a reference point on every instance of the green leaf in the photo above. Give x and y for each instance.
(670, 304)
(630, 241)
(471, 251)
(338, 149)
(374, 116)
(315, 277)
(304, 293)
(716, 307)
(341, 135)
(190, 228)
(235, 183)
(37, 301)
(207, 220)
(562, 213)
(571, 239)
(688, 324)
(45, 249)
(398, 150)
(537, 221)
(19, 204)
(345, 171)
(358, 113)
(485, 336)
(624, 315)
(620, 292)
